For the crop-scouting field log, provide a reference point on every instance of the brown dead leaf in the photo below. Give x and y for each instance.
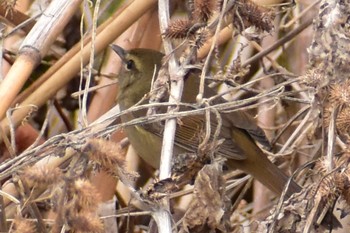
(208, 206)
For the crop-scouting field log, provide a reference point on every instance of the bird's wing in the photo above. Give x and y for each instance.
(191, 132)
(239, 119)
(244, 121)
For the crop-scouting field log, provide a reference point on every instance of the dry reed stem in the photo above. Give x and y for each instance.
(66, 72)
(33, 48)
(63, 60)
(15, 78)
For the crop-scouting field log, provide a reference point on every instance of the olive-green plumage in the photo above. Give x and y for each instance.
(239, 131)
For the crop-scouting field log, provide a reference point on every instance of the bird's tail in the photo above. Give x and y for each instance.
(259, 166)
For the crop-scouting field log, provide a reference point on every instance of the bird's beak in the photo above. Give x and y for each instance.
(120, 51)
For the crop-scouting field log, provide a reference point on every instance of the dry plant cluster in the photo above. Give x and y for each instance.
(65, 164)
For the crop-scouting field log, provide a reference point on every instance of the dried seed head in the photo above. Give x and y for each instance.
(203, 10)
(343, 122)
(105, 153)
(314, 78)
(42, 175)
(200, 38)
(110, 157)
(85, 222)
(21, 225)
(86, 195)
(339, 93)
(247, 13)
(179, 29)
(329, 191)
(346, 187)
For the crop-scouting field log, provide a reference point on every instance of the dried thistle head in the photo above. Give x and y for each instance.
(247, 13)
(203, 9)
(85, 195)
(201, 36)
(344, 158)
(181, 29)
(21, 225)
(327, 187)
(42, 176)
(336, 183)
(342, 177)
(85, 222)
(80, 209)
(314, 78)
(345, 192)
(105, 153)
(339, 93)
(110, 157)
(194, 28)
(343, 122)
(321, 166)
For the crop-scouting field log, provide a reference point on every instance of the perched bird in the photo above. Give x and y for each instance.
(239, 131)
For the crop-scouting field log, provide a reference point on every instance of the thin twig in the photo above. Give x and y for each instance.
(278, 43)
(12, 132)
(205, 68)
(300, 15)
(331, 138)
(91, 63)
(297, 131)
(290, 121)
(43, 128)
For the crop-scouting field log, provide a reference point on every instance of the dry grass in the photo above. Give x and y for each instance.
(60, 159)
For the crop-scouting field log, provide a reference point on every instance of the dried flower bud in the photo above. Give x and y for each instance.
(42, 175)
(179, 29)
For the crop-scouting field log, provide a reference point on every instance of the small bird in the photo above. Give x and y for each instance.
(239, 132)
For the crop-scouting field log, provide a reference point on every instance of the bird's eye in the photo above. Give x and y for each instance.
(129, 64)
